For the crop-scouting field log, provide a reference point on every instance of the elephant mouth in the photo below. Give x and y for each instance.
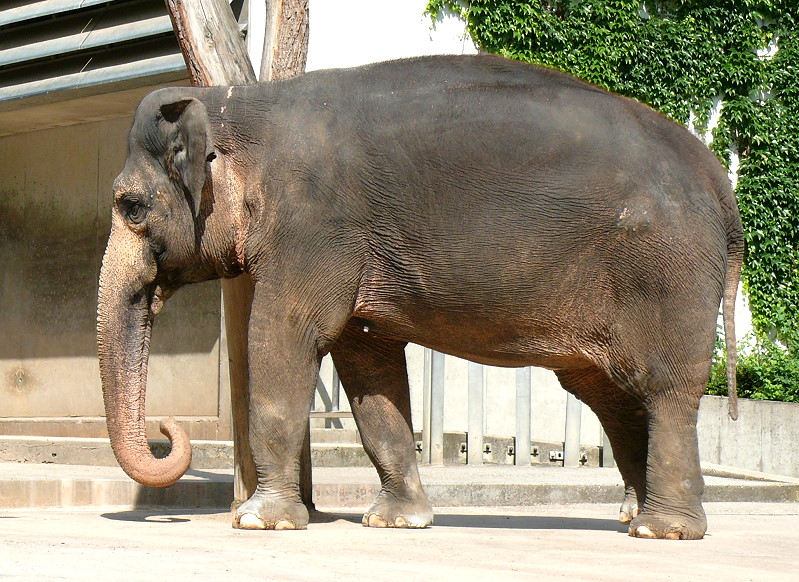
(159, 296)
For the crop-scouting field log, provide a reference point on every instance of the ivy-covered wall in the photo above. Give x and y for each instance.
(684, 58)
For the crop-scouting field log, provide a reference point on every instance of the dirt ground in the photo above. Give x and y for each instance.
(745, 541)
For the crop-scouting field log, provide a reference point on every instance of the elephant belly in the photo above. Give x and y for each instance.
(483, 334)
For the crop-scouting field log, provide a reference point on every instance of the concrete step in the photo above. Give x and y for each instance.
(329, 448)
(335, 435)
(30, 485)
(205, 454)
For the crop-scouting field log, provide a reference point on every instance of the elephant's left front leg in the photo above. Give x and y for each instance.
(374, 375)
(283, 368)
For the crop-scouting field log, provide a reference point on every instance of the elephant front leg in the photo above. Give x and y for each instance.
(674, 484)
(374, 375)
(283, 369)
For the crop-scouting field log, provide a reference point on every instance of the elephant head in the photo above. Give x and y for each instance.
(157, 243)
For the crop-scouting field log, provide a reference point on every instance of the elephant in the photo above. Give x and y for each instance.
(498, 211)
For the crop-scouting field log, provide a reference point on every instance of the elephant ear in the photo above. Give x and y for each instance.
(189, 146)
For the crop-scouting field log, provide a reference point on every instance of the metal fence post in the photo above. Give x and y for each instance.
(330, 401)
(335, 401)
(608, 460)
(427, 392)
(571, 445)
(437, 409)
(474, 435)
(523, 412)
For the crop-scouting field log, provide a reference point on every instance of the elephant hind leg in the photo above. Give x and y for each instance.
(674, 485)
(624, 420)
(667, 390)
(374, 375)
(655, 445)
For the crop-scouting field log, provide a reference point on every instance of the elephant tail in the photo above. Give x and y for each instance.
(735, 255)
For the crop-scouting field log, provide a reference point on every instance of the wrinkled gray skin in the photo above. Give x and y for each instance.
(488, 209)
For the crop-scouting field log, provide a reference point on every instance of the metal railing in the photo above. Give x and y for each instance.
(432, 446)
(433, 415)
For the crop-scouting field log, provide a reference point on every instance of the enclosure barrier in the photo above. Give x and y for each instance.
(432, 443)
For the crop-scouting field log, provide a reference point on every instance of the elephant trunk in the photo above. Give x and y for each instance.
(124, 324)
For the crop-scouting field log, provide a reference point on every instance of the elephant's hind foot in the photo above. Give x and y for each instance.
(260, 512)
(668, 527)
(390, 511)
(629, 507)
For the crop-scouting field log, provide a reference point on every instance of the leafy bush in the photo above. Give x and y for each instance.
(765, 372)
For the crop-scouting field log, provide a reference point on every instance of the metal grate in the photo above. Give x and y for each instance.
(61, 45)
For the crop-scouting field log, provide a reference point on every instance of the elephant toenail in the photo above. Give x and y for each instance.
(674, 535)
(285, 524)
(251, 521)
(374, 520)
(644, 532)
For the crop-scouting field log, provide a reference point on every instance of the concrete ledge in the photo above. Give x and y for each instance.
(27, 485)
(329, 448)
(206, 455)
(65, 486)
(736, 473)
(97, 451)
(752, 491)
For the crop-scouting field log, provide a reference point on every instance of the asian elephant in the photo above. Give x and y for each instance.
(505, 213)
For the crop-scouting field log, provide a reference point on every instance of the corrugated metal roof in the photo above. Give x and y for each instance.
(35, 10)
(86, 40)
(143, 69)
(64, 45)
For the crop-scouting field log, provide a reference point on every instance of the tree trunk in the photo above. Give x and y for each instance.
(286, 39)
(211, 44)
(215, 54)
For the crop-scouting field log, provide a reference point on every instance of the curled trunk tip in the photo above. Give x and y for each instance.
(154, 472)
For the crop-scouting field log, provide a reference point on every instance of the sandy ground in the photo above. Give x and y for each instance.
(745, 541)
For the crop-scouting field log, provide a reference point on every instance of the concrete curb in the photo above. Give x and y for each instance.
(714, 470)
(67, 486)
(205, 454)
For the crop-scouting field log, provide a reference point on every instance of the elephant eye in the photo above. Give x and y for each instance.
(137, 213)
(134, 210)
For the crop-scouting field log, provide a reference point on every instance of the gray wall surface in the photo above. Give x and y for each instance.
(55, 206)
(765, 437)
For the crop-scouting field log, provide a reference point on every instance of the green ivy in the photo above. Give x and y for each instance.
(682, 57)
(765, 372)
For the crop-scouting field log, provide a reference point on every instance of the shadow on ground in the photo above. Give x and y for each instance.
(530, 522)
(178, 515)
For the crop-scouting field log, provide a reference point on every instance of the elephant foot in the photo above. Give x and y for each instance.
(668, 527)
(629, 508)
(260, 512)
(391, 511)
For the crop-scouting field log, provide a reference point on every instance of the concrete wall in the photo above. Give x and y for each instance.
(55, 201)
(765, 437)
